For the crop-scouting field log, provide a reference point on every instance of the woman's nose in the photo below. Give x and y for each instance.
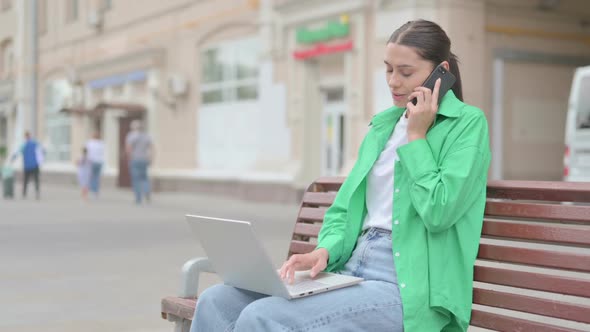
(393, 82)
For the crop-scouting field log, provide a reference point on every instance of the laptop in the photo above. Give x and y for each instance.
(239, 259)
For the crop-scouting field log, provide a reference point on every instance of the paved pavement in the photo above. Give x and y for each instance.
(103, 265)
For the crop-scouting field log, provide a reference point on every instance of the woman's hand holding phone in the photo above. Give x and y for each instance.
(422, 115)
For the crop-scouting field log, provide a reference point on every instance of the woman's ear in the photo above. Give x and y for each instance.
(446, 65)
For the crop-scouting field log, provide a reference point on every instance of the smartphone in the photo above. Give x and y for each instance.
(447, 79)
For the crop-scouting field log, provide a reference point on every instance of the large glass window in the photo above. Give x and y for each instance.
(6, 59)
(42, 16)
(3, 137)
(106, 5)
(72, 10)
(6, 5)
(583, 111)
(230, 72)
(57, 124)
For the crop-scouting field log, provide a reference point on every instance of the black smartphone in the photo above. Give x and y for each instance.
(447, 79)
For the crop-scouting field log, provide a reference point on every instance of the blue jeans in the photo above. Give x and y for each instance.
(95, 177)
(373, 305)
(139, 179)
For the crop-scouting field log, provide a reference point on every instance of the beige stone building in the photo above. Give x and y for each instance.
(9, 35)
(257, 98)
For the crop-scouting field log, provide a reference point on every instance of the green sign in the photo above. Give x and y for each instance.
(332, 30)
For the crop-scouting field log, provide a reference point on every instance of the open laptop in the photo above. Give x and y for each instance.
(238, 257)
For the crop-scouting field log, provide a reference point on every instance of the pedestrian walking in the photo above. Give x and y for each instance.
(140, 153)
(33, 156)
(95, 153)
(84, 166)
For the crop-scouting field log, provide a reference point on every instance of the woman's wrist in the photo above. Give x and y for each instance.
(324, 253)
(415, 136)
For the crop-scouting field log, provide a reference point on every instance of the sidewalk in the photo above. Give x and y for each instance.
(104, 265)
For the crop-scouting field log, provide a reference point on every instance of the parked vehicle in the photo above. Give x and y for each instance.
(577, 131)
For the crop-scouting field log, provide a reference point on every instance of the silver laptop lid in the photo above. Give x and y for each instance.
(237, 255)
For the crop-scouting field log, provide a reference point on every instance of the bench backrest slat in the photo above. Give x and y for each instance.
(549, 232)
(526, 226)
(537, 211)
(561, 284)
(535, 256)
(535, 305)
(539, 190)
(319, 199)
(312, 214)
(499, 322)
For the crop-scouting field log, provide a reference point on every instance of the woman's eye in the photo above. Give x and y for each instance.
(406, 75)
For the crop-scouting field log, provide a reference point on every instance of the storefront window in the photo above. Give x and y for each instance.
(230, 72)
(57, 124)
(7, 59)
(583, 111)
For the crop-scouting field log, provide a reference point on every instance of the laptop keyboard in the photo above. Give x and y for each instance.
(305, 285)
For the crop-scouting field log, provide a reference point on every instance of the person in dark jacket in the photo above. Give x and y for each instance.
(32, 154)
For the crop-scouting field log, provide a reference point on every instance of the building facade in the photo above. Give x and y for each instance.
(257, 98)
(9, 35)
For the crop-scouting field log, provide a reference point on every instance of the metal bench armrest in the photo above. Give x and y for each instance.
(191, 271)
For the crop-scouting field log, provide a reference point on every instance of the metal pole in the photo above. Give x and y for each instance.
(34, 60)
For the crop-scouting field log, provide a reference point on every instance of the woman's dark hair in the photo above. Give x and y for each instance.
(432, 43)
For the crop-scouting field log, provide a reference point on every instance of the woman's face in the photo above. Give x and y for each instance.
(405, 70)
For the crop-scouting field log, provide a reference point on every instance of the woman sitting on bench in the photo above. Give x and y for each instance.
(407, 219)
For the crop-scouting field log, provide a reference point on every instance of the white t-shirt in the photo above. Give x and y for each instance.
(379, 197)
(95, 150)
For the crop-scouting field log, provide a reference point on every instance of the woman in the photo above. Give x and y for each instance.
(407, 219)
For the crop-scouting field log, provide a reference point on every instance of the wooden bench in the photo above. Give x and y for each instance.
(533, 267)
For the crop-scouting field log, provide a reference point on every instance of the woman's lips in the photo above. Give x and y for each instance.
(397, 97)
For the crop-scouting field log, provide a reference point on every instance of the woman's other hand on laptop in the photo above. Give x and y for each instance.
(316, 260)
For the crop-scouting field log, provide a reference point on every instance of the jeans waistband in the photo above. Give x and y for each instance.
(375, 230)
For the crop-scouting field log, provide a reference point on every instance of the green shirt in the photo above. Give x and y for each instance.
(439, 194)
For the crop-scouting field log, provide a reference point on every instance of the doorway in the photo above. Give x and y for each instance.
(124, 178)
(333, 131)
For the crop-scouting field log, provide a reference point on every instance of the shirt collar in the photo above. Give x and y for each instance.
(450, 107)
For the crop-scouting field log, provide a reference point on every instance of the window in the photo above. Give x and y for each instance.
(106, 5)
(42, 12)
(57, 124)
(6, 5)
(72, 7)
(3, 137)
(583, 105)
(6, 59)
(230, 72)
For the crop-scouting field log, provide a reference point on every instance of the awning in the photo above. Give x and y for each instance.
(77, 110)
(131, 108)
(101, 108)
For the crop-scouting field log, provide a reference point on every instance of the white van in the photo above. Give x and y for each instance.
(577, 131)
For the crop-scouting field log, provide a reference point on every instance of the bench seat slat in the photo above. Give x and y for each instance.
(498, 322)
(532, 280)
(312, 214)
(319, 199)
(311, 230)
(565, 234)
(531, 304)
(538, 211)
(540, 257)
(539, 190)
(179, 307)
